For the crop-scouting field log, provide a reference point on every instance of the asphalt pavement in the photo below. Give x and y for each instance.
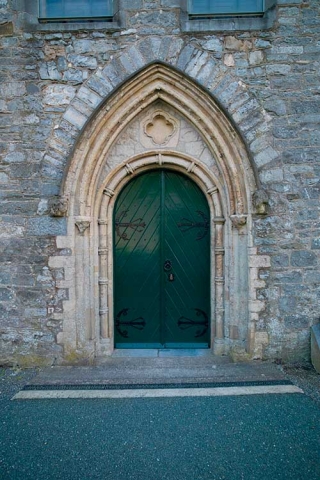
(254, 437)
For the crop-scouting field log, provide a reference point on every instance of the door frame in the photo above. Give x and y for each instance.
(206, 259)
(209, 185)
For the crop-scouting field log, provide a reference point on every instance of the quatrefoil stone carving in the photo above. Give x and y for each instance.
(160, 127)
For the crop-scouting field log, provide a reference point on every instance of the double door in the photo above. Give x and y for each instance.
(162, 263)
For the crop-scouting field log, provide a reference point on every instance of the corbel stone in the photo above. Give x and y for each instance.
(82, 226)
(260, 200)
(238, 221)
(58, 207)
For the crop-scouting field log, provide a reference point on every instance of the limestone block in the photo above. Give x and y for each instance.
(256, 57)
(12, 89)
(83, 61)
(58, 94)
(259, 261)
(303, 258)
(233, 43)
(75, 118)
(89, 97)
(213, 44)
(74, 75)
(278, 69)
(49, 71)
(266, 156)
(256, 306)
(228, 60)
(315, 346)
(273, 175)
(44, 226)
(99, 84)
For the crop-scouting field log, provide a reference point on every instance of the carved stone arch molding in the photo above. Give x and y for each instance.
(91, 194)
(161, 82)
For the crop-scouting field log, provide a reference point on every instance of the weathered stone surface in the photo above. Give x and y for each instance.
(303, 258)
(53, 81)
(49, 71)
(58, 94)
(75, 118)
(44, 226)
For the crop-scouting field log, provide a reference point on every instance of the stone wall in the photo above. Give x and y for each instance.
(54, 77)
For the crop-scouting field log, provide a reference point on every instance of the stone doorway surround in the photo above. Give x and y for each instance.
(118, 144)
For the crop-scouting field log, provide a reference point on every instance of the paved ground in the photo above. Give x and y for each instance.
(260, 437)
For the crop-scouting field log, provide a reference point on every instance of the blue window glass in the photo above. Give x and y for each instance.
(220, 7)
(75, 9)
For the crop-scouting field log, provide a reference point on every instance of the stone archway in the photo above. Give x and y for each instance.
(95, 176)
(134, 166)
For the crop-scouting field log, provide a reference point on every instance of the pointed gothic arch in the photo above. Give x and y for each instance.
(154, 82)
(91, 189)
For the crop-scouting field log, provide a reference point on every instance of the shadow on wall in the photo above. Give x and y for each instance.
(315, 346)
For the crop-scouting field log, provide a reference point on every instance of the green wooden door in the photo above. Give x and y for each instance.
(162, 263)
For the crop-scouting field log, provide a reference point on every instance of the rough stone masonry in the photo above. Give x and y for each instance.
(53, 77)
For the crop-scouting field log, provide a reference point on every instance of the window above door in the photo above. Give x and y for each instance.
(228, 15)
(69, 10)
(228, 7)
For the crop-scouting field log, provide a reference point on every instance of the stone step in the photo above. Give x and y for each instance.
(171, 370)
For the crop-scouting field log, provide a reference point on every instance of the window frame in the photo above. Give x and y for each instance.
(29, 21)
(228, 23)
(67, 19)
(266, 5)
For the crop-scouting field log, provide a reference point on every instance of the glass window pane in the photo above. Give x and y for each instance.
(75, 8)
(226, 6)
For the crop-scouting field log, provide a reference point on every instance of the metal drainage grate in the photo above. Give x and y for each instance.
(139, 386)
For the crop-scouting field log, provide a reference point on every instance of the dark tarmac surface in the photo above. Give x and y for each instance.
(233, 438)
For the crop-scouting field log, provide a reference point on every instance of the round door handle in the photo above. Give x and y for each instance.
(167, 265)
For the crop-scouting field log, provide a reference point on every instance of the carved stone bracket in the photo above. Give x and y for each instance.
(238, 221)
(82, 226)
(260, 200)
(58, 207)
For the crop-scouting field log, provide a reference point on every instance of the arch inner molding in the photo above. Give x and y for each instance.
(112, 186)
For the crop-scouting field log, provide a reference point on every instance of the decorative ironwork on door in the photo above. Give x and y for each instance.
(204, 226)
(138, 323)
(137, 225)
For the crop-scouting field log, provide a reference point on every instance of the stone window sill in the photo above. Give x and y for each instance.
(55, 27)
(76, 26)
